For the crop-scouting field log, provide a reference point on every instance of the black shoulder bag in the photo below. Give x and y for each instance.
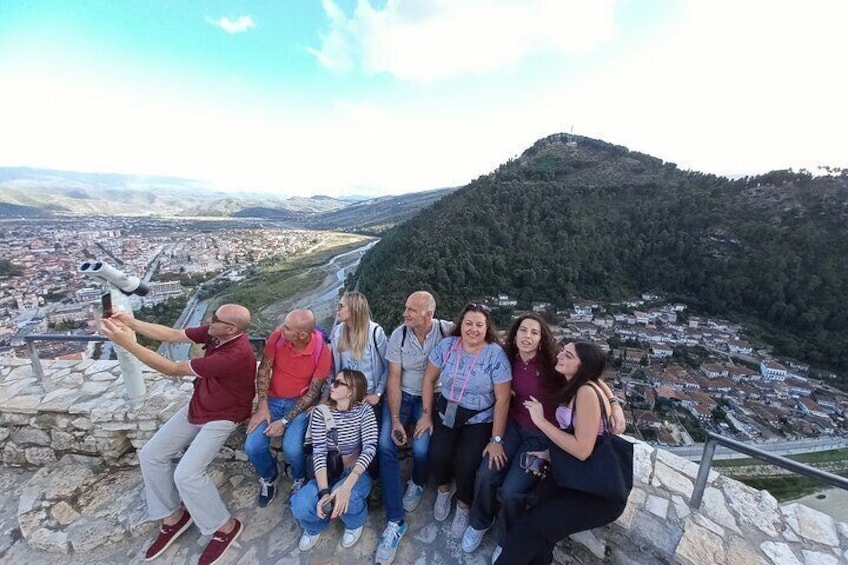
(606, 473)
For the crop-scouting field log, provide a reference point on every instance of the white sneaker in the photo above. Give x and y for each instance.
(442, 507)
(350, 537)
(308, 541)
(412, 496)
(496, 553)
(387, 550)
(471, 539)
(460, 522)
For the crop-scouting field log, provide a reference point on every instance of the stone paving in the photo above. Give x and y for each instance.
(270, 537)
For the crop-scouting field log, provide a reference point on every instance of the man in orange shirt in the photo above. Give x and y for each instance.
(291, 375)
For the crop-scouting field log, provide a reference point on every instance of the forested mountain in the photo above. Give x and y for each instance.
(576, 217)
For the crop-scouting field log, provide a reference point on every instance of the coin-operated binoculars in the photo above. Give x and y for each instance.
(120, 287)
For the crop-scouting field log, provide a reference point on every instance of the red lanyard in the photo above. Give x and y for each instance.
(467, 373)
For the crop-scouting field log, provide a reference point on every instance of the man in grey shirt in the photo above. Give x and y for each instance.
(409, 347)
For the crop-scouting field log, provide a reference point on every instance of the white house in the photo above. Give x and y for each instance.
(772, 370)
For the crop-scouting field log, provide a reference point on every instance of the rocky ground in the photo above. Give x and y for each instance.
(102, 514)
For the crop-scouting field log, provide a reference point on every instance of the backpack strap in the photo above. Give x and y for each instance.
(318, 349)
(329, 423)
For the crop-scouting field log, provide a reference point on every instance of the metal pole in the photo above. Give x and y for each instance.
(37, 369)
(703, 473)
(130, 365)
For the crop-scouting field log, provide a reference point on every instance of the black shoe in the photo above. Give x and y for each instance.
(267, 491)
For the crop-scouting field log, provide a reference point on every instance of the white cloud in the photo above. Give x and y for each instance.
(232, 26)
(439, 39)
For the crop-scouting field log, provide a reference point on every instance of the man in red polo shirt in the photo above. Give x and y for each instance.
(295, 364)
(222, 398)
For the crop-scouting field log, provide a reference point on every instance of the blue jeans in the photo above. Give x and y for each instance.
(410, 411)
(257, 443)
(304, 503)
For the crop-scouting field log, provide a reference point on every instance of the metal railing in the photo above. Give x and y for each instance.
(35, 360)
(714, 440)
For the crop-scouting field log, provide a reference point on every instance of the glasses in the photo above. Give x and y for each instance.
(339, 382)
(475, 307)
(216, 319)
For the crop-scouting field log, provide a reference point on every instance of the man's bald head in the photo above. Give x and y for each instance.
(424, 300)
(235, 314)
(298, 326)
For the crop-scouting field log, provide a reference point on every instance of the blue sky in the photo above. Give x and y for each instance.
(375, 97)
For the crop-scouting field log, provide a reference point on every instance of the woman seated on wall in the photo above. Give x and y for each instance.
(470, 412)
(565, 511)
(345, 429)
(531, 348)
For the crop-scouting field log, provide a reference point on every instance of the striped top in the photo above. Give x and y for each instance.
(357, 432)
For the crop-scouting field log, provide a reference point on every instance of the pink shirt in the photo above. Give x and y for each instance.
(564, 416)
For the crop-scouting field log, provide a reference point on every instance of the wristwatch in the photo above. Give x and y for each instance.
(285, 421)
(497, 439)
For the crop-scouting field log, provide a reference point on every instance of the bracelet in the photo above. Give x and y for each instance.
(616, 400)
(323, 492)
(395, 417)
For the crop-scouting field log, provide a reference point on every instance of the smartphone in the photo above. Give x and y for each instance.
(398, 436)
(532, 463)
(327, 507)
(106, 303)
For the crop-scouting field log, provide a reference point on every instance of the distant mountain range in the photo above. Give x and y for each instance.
(38, 193)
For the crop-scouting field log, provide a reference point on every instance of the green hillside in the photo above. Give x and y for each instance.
(576, 217)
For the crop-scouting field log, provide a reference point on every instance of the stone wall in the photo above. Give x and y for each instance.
(85, 420)
(85, 413)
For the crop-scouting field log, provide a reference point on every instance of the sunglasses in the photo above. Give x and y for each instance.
(475, 307)
(339, 306)
(216, 319)
(339, 382)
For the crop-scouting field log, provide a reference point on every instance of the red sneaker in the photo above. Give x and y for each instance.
(167, 536)
(219, 545)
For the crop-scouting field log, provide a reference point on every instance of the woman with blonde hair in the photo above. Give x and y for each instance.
(360, 344)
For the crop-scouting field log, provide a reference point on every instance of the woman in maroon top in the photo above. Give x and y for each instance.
(532, 350)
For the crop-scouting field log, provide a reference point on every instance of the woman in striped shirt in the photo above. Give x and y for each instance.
(355, 430)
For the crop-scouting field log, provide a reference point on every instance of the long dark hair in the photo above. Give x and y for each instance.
(593, 362)
(491, 331)
(546, 355)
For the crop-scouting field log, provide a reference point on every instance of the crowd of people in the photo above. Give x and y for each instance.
(480, 417)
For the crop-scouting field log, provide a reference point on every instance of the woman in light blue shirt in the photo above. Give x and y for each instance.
(470, 413)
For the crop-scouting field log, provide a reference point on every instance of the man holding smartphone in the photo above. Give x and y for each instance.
(409, 347)
(222, 398)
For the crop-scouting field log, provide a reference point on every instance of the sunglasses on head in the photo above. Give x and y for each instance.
(476, 307)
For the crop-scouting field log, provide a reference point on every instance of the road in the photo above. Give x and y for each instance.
(788, 447)
(321, 300)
